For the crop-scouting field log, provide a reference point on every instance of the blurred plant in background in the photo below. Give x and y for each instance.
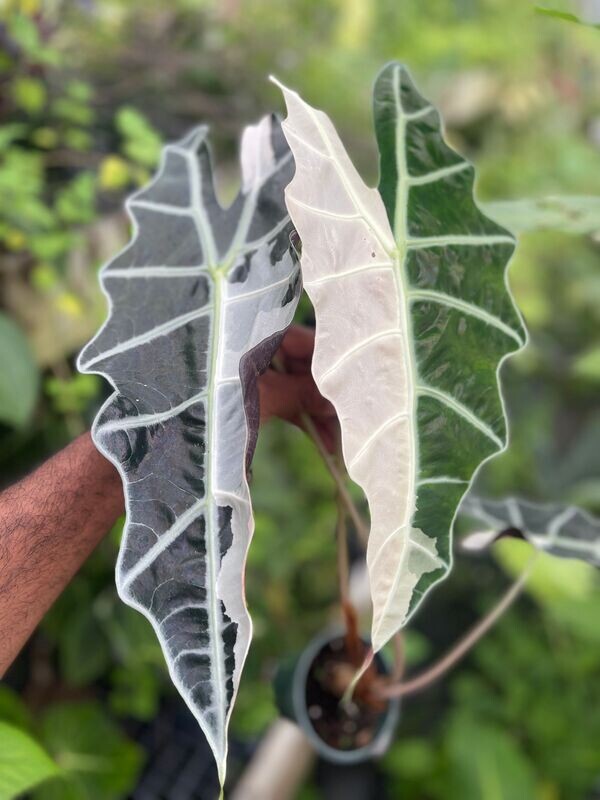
(88, 92)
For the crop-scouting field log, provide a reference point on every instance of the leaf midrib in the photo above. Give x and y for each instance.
(400, 234)
(218, 666)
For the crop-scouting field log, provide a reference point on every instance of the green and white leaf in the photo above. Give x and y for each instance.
(413, 320)
(560, 530)
(199, 301)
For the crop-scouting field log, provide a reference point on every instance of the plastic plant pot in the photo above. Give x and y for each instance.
(295, 694)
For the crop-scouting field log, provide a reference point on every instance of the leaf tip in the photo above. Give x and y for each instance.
(287, 92)
(277, 82)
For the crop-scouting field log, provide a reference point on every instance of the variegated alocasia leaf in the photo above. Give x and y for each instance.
(560, 530)
(199, 301)
(413, 320)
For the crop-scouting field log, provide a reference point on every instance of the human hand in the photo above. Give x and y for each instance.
(291, 393)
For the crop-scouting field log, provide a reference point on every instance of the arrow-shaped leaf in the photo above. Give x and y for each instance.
(413, 320)
(199, 300)
(560, 530)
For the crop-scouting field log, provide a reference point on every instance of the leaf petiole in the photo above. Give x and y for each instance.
(462, 647)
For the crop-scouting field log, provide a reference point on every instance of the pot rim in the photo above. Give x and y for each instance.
(380, 742)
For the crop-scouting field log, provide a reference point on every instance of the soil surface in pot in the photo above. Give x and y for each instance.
(329, 676)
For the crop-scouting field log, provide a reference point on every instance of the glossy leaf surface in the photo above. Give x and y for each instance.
(413, 320)
(199, 301)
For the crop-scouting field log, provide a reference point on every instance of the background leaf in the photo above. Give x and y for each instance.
(487, 763)
(23, 763)
(98, 761)
(576, 215)
(564, 15)
(20, 377)
(560, 530)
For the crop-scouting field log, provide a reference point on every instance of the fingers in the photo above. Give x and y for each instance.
(287, 396)
(290, 394)
(298, 343)
(296, 350)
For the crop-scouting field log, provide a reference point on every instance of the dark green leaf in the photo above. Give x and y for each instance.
(98, 761)
(13, 710)
(84, 653)
(486, 762)
(10, 132)
(136, 691)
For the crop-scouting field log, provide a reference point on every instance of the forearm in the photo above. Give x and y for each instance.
(49, 524)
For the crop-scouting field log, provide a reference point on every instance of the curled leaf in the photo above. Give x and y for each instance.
(560, 530)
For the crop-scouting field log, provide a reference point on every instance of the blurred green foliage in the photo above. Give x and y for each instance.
(18, 370)
(89, 91)
(564, 15)
(23, 763)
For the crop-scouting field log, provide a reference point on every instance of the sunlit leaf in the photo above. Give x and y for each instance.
(75, 203)
(142, 143)
(29, 94)
(114, 173)
(413, 320)
(23, 763)
(199, 302)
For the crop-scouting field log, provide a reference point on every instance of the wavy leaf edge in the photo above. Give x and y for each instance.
(385, 234)
(255, 177)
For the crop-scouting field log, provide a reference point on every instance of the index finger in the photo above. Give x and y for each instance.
(298, 343)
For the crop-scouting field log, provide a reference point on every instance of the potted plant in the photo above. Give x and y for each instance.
(413, 322)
